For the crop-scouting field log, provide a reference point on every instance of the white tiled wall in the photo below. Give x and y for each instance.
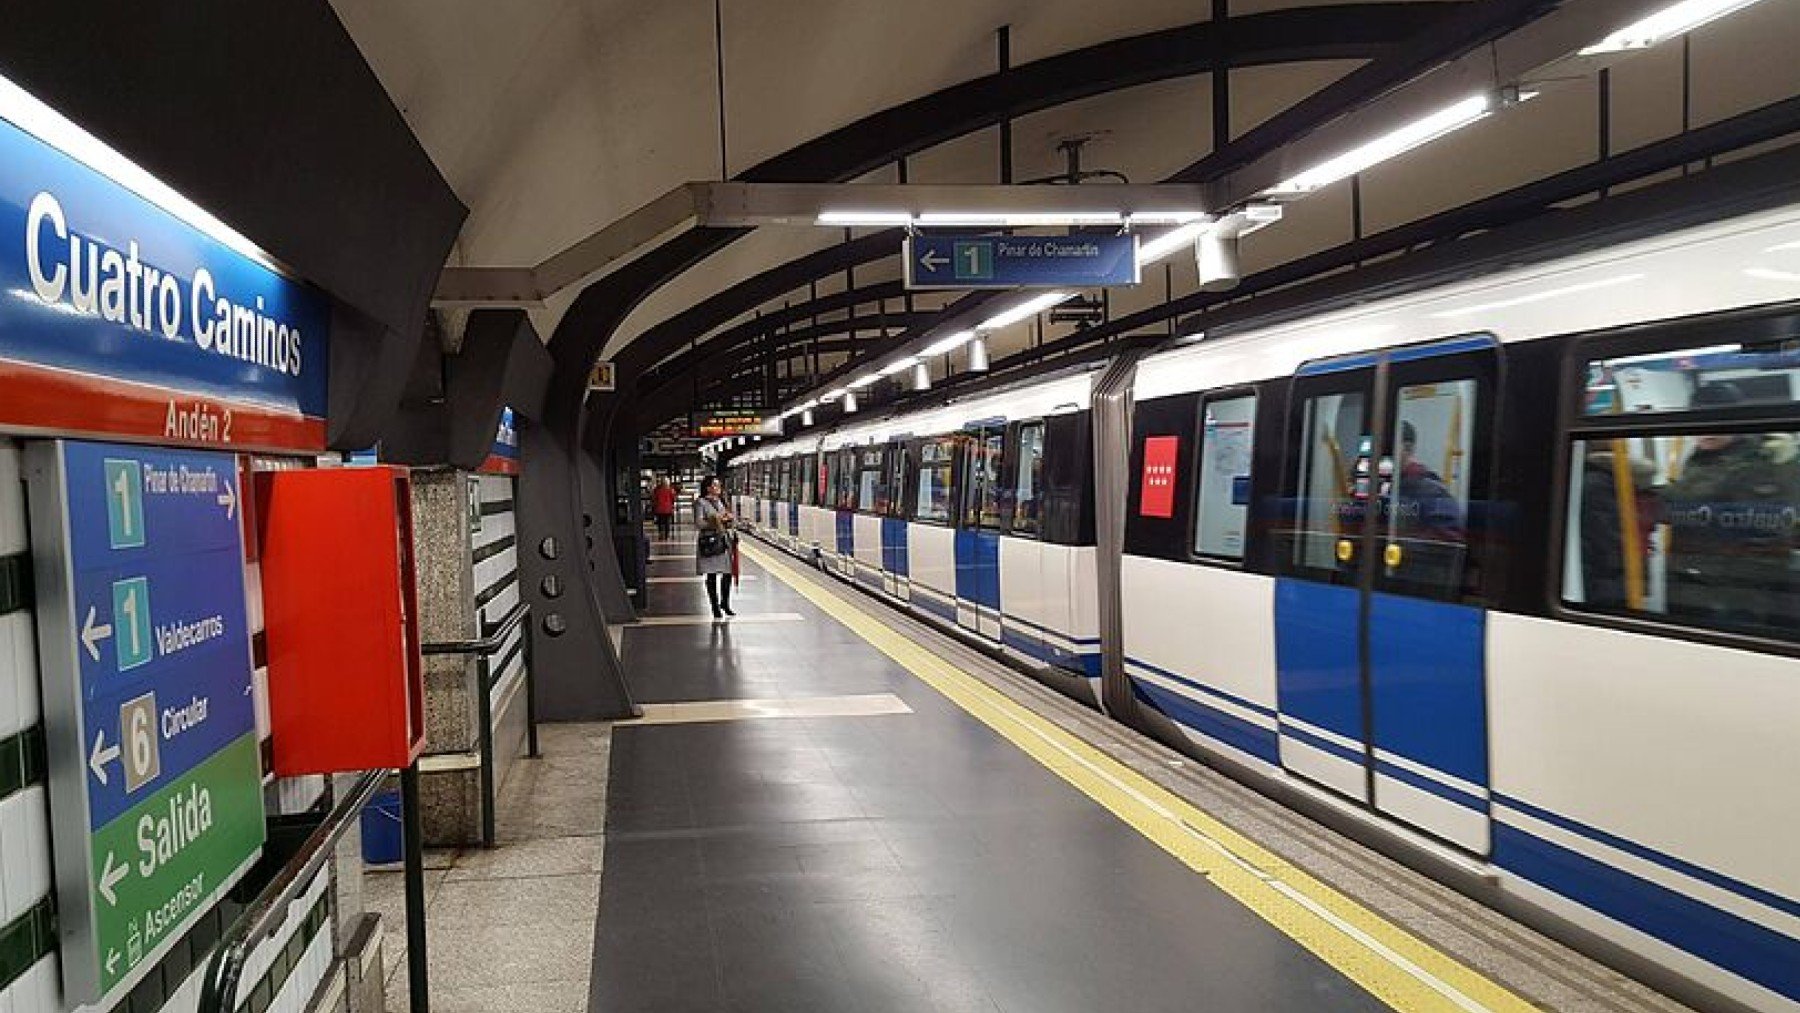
(25, 874)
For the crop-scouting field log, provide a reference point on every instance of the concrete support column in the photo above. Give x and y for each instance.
(450, 786)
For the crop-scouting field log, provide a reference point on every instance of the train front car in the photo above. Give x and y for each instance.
(1508, 572)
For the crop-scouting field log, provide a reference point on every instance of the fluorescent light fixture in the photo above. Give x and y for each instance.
(1771, 274)
(1018, 219)
(1541, 295)
(833, 394)
(1166, 217)
(863, 381)
(19, 108)
(1676, 19)
(1024, 311)
(1389, 145)
(899, 367)
(1170, 242)
(947, 344)
(870, 218)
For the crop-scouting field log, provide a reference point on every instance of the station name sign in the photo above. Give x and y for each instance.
(104, 293)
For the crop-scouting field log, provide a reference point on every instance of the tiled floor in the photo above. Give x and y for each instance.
(511, 930)
(894, 862)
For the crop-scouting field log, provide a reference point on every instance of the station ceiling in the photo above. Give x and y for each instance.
(552, 118)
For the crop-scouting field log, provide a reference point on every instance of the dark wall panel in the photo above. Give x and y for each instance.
(266, 115)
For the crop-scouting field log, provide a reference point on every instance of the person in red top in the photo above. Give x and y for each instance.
(662, 505)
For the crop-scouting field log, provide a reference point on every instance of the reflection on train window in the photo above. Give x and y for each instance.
(1703, 530)
(1423, 489)
(932, 502)
(1712, 376)
(1227, 434)
(872, 489)
(1028, 479)
(1334, 480)
(896, 481)
(981, 505)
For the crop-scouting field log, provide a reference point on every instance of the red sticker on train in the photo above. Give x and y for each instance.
(1157, 498)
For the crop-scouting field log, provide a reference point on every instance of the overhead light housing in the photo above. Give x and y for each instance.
(921, 378)
(1005, 219)
(947, 344)
(806, 417)
(1389, 145)
(1023, 311)
(850, 403)
(978, 356)
(1676, 19)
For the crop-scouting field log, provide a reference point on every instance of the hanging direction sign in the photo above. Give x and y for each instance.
(1020, 261)
(155, 767)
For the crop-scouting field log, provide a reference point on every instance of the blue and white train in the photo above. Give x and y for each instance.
(1503, 573)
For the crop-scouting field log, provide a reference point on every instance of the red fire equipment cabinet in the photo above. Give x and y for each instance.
(346, 687)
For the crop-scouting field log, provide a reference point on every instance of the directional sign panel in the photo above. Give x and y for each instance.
(156, 772)
(1021, 261)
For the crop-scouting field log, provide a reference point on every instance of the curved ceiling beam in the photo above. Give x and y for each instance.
(652, 408)
(1356, 31)
(759, 327)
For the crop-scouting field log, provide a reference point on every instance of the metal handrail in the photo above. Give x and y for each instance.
(225, 968)
(484, 649)
(487, 645)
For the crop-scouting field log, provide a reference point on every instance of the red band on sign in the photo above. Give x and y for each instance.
(497, 465)
(58, 401)
(1157, 492)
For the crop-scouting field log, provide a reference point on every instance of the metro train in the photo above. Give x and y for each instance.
(1502, 575)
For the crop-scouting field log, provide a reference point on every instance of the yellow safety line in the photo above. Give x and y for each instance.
(1392, 964)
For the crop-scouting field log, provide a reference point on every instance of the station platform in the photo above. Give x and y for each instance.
(828, 806)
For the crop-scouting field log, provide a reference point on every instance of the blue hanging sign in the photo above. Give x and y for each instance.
(150, 718)
(503, 459)
(117, 317)
(1020, 261)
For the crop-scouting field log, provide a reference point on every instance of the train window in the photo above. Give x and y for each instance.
(846, 480)
(1706, 377)
(871, 486)
(1028, 479)
(1702, 530)
(1335, 448)
(1227, 435)
(1423, 491)
(981, 502)
(896, 482)
(932, 500)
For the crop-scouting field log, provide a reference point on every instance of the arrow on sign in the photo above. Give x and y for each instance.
(112, 960)
(102, 755)
(931, 261)
(228, 500)
(92, 633)
(110, 877)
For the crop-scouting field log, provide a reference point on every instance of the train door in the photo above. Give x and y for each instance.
(894, 573)
(978, 535)
(1379, 622)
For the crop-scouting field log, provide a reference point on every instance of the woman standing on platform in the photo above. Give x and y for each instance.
(715, 550)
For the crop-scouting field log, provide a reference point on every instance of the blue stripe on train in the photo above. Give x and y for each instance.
(1738, 945)
(1432, 786)
(1211, 722)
